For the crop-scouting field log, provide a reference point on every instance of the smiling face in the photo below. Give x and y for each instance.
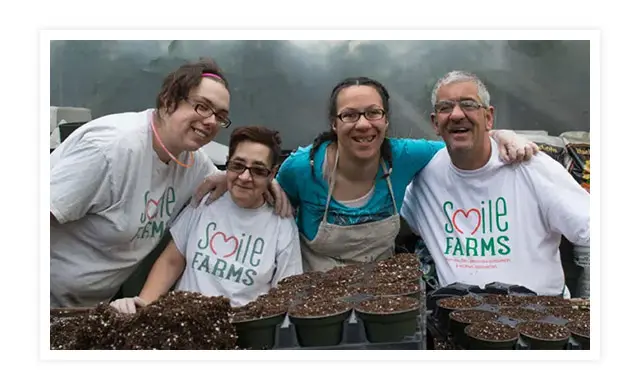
(460, 117)
(190, 128)
(245, 187)
(358, 136)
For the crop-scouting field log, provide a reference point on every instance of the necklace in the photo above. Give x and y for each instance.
(155, 133)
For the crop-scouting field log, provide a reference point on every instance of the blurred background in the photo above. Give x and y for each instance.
(534, 85)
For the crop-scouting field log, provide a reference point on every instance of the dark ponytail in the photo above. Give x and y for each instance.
(319, 140)
(385, 149)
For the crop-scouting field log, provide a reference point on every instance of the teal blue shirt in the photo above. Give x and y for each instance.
(309, 194)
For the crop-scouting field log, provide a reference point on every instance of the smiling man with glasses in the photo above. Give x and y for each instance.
(486, 221)
(237, 246)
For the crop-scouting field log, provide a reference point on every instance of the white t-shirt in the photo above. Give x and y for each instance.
(499, 223)
(235, 252)
(114, 198)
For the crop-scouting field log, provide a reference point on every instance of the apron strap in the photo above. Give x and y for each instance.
(332, 183)
(393, 198)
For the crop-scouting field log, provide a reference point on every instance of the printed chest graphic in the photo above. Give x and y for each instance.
(155, 214)
(232, 258)
(477, 234)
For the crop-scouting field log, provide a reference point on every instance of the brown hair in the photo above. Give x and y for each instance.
(331, 136)
(259, 134)
(177, 85)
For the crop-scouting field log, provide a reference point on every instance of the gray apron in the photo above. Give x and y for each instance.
(336, 245)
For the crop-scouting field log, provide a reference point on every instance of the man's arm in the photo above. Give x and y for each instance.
(565, 205)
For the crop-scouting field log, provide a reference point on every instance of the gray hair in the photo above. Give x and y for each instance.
(458, 76)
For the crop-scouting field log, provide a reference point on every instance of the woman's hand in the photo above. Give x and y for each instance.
(514, 147)
(128, 305)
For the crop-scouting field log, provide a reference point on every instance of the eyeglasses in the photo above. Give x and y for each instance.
(467, 105)
(354, 116)
(206, 111)
(255, 171)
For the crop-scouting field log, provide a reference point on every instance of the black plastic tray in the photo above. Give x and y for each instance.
(353, 337)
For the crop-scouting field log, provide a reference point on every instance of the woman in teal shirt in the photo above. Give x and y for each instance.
(348, 186)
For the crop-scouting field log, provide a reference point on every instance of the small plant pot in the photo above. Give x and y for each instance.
(491, 335)
(581, 332)
(460, 319)
(446, 306)
(320, 331)
(389, 319)
(258, 333)
(544, 335)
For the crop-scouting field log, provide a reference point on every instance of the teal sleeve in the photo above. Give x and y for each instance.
(415, 154)
(286, 177)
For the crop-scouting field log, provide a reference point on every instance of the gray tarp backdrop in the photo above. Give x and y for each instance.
(534, 85)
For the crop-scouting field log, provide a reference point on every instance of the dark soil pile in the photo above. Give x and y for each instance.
(178, 320)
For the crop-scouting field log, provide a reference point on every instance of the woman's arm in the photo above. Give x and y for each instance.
(288, 256)
(166, 270)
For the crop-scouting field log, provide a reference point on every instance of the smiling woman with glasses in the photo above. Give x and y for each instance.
(237, 247)
(205, 110)
(119, 180)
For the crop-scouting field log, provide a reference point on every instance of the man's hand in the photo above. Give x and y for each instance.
(514, 147)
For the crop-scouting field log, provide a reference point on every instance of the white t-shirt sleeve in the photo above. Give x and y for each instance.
(288, 256)
(564, 204)
(409, 208)
(80, 182)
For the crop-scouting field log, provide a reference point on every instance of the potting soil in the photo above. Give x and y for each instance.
(177, 320)
(492, 331)
(543, 330)
(523, 314)
(317, 308)
(581, 327)
(472, 316)
(388, 304)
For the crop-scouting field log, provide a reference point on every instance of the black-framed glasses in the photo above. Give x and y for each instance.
(255, 171)
(206, 111)
(466, 105)
(372, 114)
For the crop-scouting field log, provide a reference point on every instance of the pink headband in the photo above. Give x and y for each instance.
(215, 76)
